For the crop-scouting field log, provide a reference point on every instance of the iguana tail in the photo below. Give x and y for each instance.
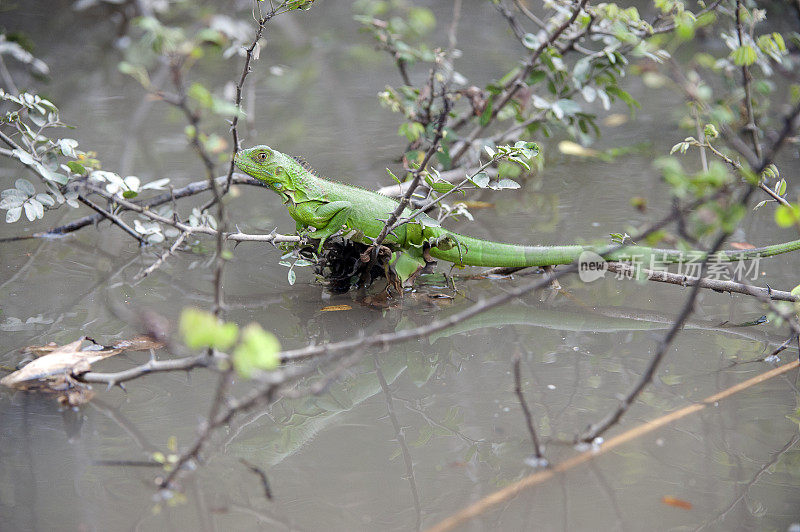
(476, 252)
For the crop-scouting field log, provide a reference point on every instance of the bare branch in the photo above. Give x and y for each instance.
(152, 366)
(191, 189)
(631, 272)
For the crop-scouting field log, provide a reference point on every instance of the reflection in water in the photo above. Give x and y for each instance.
(409, 435)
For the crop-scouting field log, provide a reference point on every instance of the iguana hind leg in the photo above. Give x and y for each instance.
(449, 241)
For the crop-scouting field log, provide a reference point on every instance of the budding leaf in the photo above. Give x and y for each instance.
(258, 350)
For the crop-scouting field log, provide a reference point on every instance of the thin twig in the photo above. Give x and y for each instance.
(8, 79)
(517, 82)
(537, 450)
(261, 475)
(237, 100)
(113, 218)
(747, 82)
(416, 174)
(744, 490)
(164, 256)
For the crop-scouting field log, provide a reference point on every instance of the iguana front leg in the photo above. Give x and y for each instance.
(329, 218)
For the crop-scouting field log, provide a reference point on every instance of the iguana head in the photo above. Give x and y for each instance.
(267, 165)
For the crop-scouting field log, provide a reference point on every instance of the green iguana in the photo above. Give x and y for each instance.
(333, 208)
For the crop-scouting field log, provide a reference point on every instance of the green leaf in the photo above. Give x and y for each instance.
(225, 108)
(137, 72)
(210, 36)
(530, 41)
(45, 199)
(480, 180)
(566, 107)
(13, 214)
(486, 116)
(128, 194)
(442, 186)
(76, 168)
(411, 130)
(506, 184)
(67, 147)
(58, 177)
(421, 19)
(535, 77)
(745, 55)
(780, 187)
(201, 95)
(202, 329)
(710, 131)
(615, 91)
(787, 216)
(25, 186)
(258, 350)
(405, 265)
(396, 179)
(582, 69)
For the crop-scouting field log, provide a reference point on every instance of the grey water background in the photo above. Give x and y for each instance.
(417, 431)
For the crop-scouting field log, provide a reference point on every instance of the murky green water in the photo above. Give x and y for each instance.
(414, 433)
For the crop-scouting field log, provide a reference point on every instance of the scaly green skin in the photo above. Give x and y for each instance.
(331, 207)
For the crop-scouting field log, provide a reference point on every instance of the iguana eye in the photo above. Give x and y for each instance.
(261, 156)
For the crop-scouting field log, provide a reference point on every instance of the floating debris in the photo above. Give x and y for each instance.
(335, 308)
(56, 367)
(677, 503)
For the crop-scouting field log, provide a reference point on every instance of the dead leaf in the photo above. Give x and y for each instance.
(677, 503)
(138, 343)
(439, 295)
(381, 300)
(567, 147)
(75, 396)
(40, 350)
(65, 360)
(742, 245)
(334, 308)
(615, 120)
(56, 365)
